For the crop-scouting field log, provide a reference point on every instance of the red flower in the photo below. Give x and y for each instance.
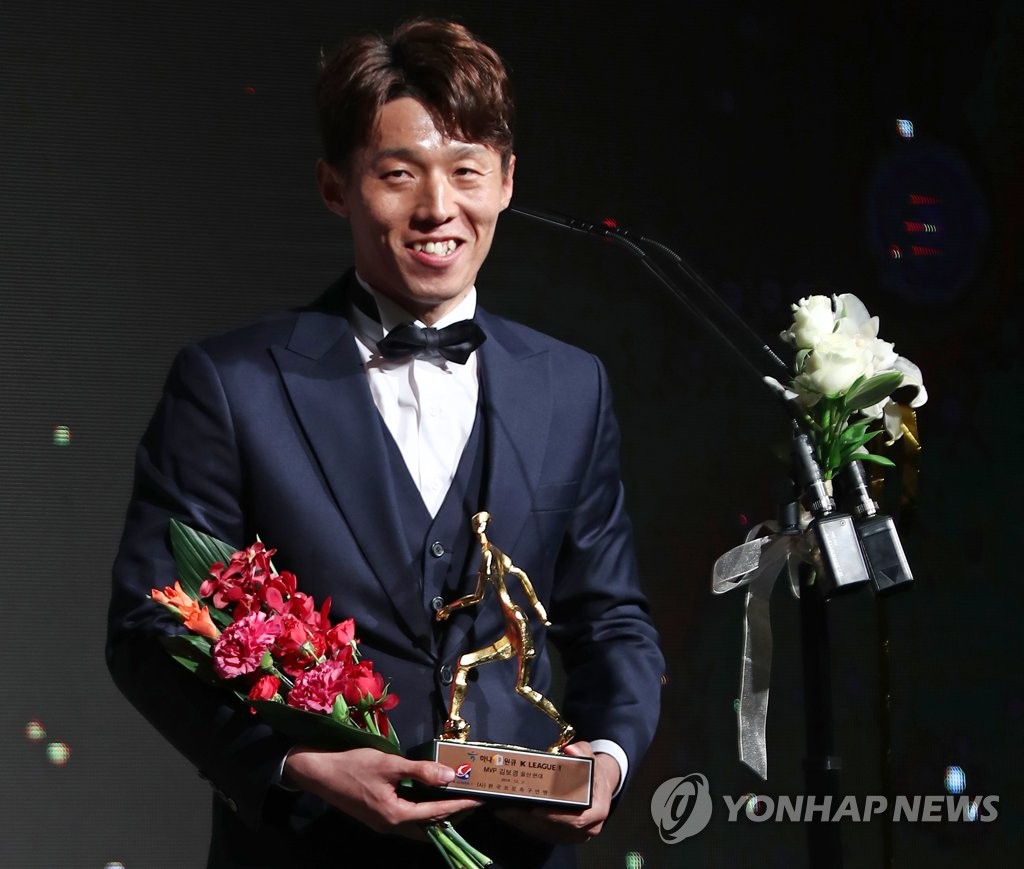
(340, 639)
(380, 713)
(315, 690)
(264, 688)
(298, 647)
(360, 680)
(277, 589)
(240, 580)
(241, 647)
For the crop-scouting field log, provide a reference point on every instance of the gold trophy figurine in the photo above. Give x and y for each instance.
(490, 769)
(495, 566)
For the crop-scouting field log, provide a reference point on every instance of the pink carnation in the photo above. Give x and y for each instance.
(315, 690)
(243, 644)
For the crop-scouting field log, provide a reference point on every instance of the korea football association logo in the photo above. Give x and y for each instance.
(681, 807)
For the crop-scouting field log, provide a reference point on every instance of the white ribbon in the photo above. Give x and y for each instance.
(756, 564)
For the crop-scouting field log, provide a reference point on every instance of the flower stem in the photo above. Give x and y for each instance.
(480, 858)
(457, 852)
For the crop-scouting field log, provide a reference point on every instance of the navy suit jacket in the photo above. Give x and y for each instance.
(271, 430)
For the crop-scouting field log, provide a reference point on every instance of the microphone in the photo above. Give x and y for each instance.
(878, 536)
(635, 243)
(840, 559)
(852, 548)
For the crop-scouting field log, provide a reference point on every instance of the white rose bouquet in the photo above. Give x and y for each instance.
(843, 368)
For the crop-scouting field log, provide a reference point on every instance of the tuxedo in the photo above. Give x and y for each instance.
(271, 430)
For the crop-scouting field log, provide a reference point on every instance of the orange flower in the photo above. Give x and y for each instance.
(197, 620)
(173, 597)
(195, 617)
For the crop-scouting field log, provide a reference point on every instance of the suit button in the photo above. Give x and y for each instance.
(446, 674)
(437, 549)
(437, 603)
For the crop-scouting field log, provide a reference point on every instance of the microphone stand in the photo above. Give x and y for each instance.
(852, 549)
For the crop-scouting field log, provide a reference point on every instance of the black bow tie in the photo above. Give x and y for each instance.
(454, 343)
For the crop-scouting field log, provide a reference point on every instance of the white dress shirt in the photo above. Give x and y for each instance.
(428, 405)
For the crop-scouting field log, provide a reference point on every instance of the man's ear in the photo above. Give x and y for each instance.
(332, 187)
(506, 182)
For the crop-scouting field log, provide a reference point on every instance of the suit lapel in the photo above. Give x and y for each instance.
(516, 405)
(324, 377)
(517, 400)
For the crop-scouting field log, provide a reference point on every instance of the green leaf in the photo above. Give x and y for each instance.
(855, 430)
(873, 390)
(194, 554)
(878, 460)
(321, 731)
(193, 653)
(852, 443)
(852, 388)
(340, 711)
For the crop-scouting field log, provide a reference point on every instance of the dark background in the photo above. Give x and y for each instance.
(156, 185)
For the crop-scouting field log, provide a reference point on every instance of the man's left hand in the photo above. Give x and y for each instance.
(553, 824)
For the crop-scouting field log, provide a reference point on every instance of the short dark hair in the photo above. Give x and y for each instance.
(460, 81)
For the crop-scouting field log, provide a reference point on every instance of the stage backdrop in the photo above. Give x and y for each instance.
(156, 186)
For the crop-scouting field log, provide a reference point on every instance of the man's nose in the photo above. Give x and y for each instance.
(436, 200)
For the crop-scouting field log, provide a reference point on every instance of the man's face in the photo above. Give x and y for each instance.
(422, 207)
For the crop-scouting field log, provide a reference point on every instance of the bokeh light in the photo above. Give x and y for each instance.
(58, 753)
(634, 860)
(35, 731)
(956, 780)
(61, 436)
(755, 806)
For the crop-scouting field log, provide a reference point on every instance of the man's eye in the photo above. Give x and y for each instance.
(396, 173)
(466, 170)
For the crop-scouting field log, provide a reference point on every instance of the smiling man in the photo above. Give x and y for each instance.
(358, 436)
(423, 208)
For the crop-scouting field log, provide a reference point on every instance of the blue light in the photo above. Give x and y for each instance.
(956, 780)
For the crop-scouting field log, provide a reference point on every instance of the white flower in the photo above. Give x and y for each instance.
(837, 346)
(852, 319)
(889, 409)
(813, 320)
(833, 365)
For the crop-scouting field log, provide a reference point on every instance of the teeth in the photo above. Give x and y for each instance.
(438, 248)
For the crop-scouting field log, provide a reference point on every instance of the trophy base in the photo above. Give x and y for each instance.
(490, 769)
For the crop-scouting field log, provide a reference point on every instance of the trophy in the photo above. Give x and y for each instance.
(491, 769)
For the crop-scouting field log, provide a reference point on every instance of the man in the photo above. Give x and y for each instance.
(362, 465)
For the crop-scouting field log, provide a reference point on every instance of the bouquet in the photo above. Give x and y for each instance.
(250, 630)
(843, 368)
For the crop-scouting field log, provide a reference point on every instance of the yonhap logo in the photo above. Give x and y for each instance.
(681, 807)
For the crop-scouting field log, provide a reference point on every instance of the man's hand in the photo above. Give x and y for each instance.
(560, 826)
(363, 782)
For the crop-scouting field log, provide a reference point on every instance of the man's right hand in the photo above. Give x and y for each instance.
(363, 783)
